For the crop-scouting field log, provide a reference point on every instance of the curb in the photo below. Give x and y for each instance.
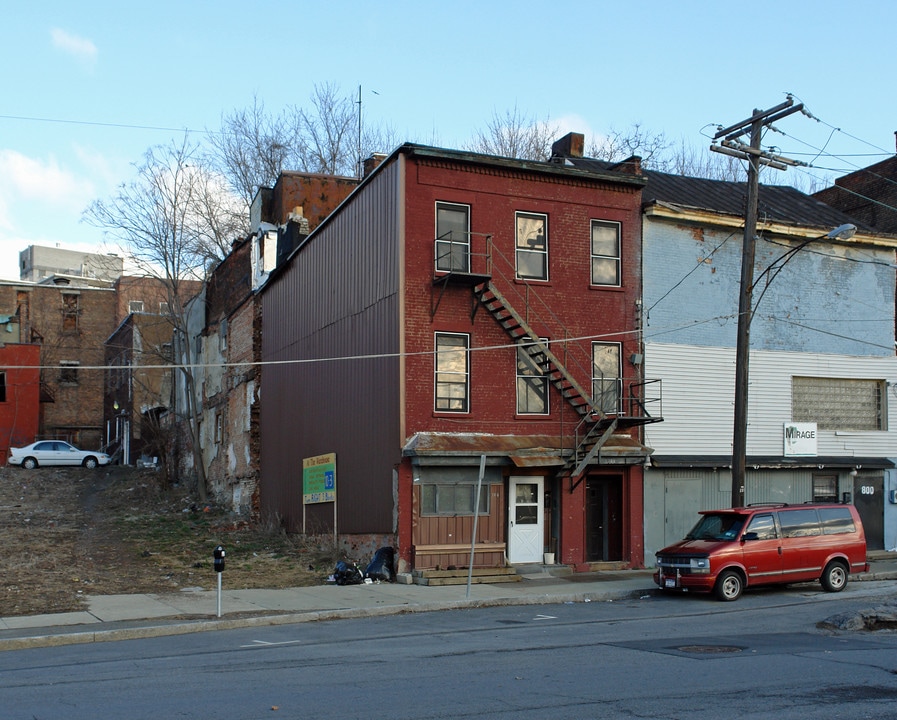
(264, 619)
(267, 619)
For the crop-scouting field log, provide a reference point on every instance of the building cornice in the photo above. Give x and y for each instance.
(703, 217)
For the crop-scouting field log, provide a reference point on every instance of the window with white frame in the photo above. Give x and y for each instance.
(452, 237)
(532, 380)
(452, 376)
(531, 245)
(605, 253)
(848, 404)
(606, 376)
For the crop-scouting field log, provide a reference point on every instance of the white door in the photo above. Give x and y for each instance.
(526, 540)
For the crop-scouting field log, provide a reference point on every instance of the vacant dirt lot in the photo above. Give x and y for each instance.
(70, 532)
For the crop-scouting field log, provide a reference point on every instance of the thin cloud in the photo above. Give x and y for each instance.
(80, 48)
(28, 179)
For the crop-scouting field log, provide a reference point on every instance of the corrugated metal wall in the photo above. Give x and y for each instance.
(335, 310)
(698, 392)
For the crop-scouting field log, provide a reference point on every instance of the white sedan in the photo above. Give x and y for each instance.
(55, 452)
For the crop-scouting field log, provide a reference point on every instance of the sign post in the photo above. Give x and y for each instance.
(319, 484)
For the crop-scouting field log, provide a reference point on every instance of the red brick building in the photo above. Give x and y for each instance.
(868, 195)
(461, 317)
(69, 322)
(19, 394)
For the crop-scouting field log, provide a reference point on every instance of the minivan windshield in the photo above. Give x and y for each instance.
(717, 526)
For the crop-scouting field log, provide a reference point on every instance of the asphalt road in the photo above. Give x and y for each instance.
(659, 657)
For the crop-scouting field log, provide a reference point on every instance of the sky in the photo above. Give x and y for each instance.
(88, 87)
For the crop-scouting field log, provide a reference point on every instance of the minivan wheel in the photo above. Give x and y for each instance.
(834, 577)
(729, 586)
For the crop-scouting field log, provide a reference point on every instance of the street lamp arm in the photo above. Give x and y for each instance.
(842, 232)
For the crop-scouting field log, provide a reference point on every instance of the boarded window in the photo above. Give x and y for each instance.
(2, 387)
(70, 313)
(68, 372)
(838, 403)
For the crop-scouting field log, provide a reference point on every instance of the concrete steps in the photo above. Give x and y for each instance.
(459, 576)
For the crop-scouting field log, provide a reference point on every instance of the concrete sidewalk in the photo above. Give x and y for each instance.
(119, 617)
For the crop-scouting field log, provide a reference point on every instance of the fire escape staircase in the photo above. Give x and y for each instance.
(595, 427)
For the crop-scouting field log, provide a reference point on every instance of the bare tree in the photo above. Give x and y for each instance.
(254, 146)
(327, 132)
(636, 140)
(515, 135)
(701, 162)
(165, 221)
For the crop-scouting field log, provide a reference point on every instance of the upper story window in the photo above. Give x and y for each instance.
(452, 237)
(2, 387)
(605, 253)
(68, 372)
(135, 306)
(531, 245)
(839, 403)
(606, 377)
(532, 381)
(163, 308)
(452, 372)
(71, 311)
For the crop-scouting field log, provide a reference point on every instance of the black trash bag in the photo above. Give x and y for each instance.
(347, 574)
(382, 566)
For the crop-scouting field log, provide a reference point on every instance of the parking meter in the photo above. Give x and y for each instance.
(218, 555)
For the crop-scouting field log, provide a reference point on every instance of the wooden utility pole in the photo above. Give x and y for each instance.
(755, 156)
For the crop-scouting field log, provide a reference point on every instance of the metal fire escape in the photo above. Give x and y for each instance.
(599, 417)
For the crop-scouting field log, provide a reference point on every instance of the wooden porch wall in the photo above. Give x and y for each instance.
(444, 540)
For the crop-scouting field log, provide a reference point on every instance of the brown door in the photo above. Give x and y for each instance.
(604, 518)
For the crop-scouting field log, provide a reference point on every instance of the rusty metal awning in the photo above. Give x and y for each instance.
(621, 449)
(520, 450)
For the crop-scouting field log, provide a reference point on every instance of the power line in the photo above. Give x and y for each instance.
(101, 124)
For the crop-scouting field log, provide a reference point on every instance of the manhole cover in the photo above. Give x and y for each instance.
(710, 649)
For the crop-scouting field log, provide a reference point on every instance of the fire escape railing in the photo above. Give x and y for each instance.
(606, 402)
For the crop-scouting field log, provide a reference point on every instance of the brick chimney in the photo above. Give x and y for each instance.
(372, 162)
(571, 145)
(631, 165)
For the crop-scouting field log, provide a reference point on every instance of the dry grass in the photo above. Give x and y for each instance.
(69, 532)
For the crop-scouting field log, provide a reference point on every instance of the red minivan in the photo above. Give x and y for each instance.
(729, 550)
